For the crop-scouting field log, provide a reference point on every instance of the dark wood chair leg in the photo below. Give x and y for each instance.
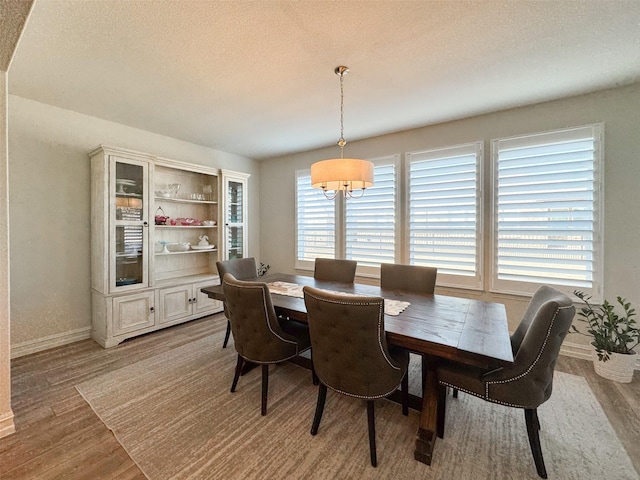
(405, 394)
(372, 432)
(239, 366)
(265, 387)
(322, 395)
(530, 415)
(442, 410)
(455, 393)
(226, 335)
(535, 418)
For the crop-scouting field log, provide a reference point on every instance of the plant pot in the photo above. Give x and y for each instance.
(618, 368)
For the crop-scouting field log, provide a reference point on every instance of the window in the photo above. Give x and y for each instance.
(371, 221)
(548, 211)
(315, 223)
(444, 213)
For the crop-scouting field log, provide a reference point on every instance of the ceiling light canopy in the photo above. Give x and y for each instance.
(344, 175)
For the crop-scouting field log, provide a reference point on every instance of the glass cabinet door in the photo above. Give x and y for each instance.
(235, 210)
(130, 224)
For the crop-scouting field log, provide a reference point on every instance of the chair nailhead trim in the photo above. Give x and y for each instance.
(508, 380)
(544, 344)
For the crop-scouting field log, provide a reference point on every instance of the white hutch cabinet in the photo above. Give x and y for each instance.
(149, 258)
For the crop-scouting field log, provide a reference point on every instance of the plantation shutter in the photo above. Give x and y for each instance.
(444, 206)
(315, 221)
(371, 220)
(547, 200)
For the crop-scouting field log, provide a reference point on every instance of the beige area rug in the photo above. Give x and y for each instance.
(174, 415)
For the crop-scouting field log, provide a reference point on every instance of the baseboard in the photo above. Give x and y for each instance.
(577, 350)
(45, 343)
(7, 427)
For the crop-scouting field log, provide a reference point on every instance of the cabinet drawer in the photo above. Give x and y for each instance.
(133, 312)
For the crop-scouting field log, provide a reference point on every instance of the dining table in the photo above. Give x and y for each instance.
(470, 331)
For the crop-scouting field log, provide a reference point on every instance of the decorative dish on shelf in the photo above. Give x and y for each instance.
(178, 247)
(202, 247)
(187, 222)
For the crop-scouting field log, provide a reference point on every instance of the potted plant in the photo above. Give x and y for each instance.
(615, 335)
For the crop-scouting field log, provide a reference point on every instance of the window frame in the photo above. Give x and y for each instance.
(475, 282)
(515, 287)
(301, 264)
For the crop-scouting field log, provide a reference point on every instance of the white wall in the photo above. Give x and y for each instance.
(50, 213)
(619, 109)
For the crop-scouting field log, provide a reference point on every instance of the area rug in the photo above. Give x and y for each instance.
(174, 415)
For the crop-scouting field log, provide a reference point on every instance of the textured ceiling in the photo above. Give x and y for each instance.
(13, 15)
(256, 78)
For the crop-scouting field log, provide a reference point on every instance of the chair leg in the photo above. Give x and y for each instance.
(237, 374)
(314, 377)
(322, 396)
(442, 410)
(535, 418)
(405, 394)
(531, 418)
(455, 393)
(372, 432)
(226, 335)
(265, 387)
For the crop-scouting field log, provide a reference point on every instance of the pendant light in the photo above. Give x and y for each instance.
(344, 175)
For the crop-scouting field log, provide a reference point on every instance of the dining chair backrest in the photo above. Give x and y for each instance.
(536, 342)
(256, 331)
(408, 278)
(350, 352)
(332, 270)
(240, 268)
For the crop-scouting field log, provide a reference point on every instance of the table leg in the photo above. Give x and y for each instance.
(426, 436)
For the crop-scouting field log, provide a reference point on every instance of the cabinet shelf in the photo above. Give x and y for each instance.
(180, 227)
(187, 252)
(185, 200)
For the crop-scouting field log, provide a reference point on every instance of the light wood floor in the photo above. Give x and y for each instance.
(59, 436)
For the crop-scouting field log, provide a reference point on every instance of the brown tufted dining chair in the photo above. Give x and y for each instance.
(242, 269)
(350, 353)
(527, 383)
(408, 278)
(259, 335)
(331, 270)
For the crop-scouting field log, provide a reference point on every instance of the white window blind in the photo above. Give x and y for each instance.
(371, 223)
(547, 211)
(315, 222)
(444, 213)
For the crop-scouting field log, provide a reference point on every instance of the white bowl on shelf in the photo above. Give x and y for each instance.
(209, 223)
(178, 247)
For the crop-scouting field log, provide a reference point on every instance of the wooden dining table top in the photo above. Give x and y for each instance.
(467, 330)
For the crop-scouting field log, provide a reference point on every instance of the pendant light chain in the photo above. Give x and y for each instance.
(342, 71)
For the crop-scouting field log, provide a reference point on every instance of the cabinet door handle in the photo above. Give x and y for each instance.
(145, 224)
(195, 300)
(152, 309)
